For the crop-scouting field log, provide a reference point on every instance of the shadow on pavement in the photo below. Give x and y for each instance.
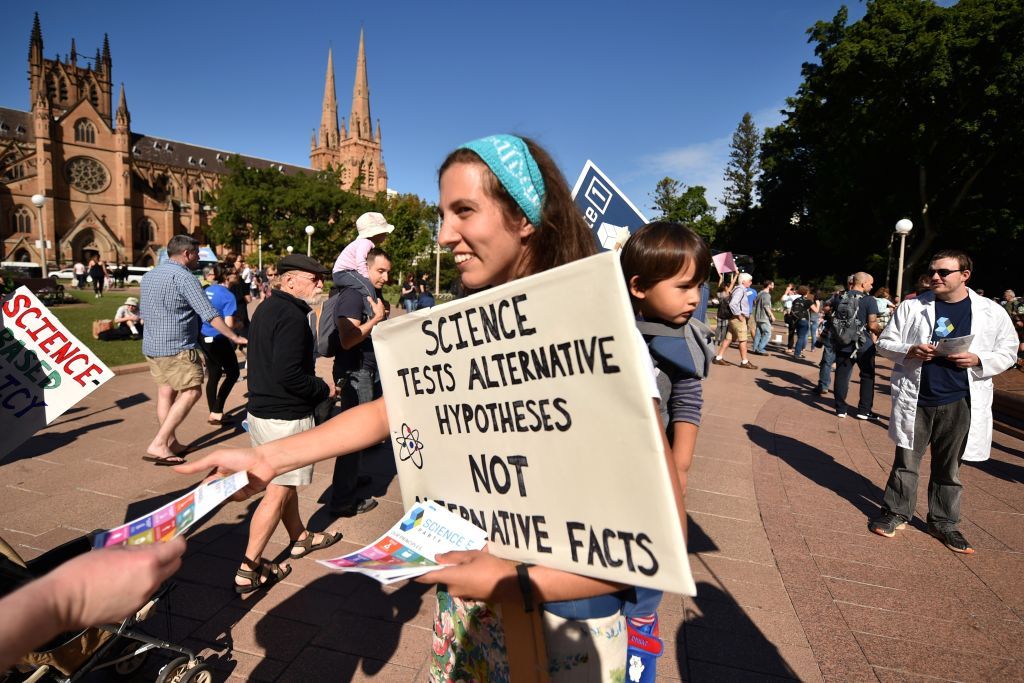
(41, 444)
(1001, 469)
(717, 640)
(819, 467)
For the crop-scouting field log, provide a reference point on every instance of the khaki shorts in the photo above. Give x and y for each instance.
(181, 371)
(738, 330)
(264, 430)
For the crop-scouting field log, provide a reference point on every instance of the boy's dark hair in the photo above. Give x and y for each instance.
(661, 250)
(767, 283)
(962, 259)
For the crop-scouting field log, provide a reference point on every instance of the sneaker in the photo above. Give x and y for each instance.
(748, 366)
(356, 508)
(887, 525)
(866, 416)
(720, 361)
(820, 391)
(952, 539)
(841, 415)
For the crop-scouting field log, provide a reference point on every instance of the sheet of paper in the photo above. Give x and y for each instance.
(175, 517)
(409, 547)
(950, 345)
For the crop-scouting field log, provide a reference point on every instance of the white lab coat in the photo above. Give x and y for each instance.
(995, 343)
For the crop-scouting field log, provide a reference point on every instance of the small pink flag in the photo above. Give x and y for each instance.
(724, 262)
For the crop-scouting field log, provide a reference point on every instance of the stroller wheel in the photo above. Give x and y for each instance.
(200, 673)
(132, 664)
(173, 671)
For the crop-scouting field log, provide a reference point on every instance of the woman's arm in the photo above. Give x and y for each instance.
(351, 431)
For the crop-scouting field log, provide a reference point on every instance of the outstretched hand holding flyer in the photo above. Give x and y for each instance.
(952, 345)
(408, 549)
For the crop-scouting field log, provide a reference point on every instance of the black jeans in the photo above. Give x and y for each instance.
(220, 362)
(356, 388)
(945, 429)
(865, 361)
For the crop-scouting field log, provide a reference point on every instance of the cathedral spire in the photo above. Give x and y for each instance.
(106, 56)
(74, 52)
(124, 119)
(36, 41)
(329, 112)
(359, 120)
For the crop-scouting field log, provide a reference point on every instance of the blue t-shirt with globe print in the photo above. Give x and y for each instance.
(942, 382)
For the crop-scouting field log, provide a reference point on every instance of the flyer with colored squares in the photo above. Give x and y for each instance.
(175, 517)
(408, 548)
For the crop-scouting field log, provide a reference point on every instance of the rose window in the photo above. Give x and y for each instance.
(87, 175)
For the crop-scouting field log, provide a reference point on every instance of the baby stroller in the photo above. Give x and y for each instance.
(121, 648)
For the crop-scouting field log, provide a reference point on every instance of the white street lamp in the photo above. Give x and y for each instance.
(903, 228)
(259, 250)
(289, 249)
(309, 239)
(38, 200)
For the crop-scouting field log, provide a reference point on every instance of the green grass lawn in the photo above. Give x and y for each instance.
(78, 318)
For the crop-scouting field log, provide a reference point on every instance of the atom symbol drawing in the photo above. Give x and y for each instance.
(409, 446)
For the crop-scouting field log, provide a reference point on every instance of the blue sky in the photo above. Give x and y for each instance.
(644, 89)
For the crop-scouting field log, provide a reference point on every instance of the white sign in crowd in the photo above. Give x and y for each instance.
(524, 412)
(44, 369)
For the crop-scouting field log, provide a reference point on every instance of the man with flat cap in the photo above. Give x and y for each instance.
(283, 391)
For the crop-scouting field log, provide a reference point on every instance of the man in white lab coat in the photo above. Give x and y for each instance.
(944, 401)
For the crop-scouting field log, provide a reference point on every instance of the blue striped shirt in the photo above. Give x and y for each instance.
(172, 305)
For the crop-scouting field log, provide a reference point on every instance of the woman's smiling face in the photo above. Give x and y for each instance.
(488, 249)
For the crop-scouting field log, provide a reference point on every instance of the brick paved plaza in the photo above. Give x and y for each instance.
(790, 582)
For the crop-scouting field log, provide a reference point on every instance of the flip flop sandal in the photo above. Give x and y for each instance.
(306, 545)
(264, 576)
(168, 461)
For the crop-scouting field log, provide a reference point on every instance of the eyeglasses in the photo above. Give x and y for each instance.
(309, 276)
(943, 272)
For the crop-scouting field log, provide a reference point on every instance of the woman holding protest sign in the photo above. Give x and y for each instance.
(506, 213)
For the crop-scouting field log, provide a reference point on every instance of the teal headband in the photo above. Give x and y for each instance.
(510, 160)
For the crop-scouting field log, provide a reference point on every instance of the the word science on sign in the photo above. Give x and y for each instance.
(44, 369)
(527, 409)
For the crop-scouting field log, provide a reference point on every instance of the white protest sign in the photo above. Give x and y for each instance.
(44, 369)
(527, 409)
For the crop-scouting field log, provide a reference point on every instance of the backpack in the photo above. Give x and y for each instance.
(328, 339)
(724, 312)
(846, 327)
(799, 308)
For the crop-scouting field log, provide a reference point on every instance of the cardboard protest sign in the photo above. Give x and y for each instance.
(724, 262)
(527, 409)
(608, 212)
(44, 369)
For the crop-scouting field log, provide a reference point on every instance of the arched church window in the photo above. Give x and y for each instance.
(94, 96)
(63, 90)
(12, 169)
(51, 87)
(21, 220)
(85, 131)
(147, 231)
(22, 256)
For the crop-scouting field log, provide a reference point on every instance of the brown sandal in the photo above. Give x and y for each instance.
(262, 575)
(306, 545)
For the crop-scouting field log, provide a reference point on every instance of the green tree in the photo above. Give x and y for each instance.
(743, 168)
(684, 204)
(914, 111)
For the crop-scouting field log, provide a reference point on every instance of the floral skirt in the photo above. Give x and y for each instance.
(469, 645)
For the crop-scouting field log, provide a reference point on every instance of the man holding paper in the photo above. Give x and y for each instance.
(941, 396)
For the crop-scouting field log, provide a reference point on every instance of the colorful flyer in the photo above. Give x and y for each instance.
(408, 548)
(172, 519)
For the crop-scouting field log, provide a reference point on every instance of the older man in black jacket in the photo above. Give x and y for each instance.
(283, 391)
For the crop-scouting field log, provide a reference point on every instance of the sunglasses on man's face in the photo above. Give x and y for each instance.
(943, 272)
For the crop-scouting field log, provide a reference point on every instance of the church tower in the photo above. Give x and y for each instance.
(63, 84)
(356, 152)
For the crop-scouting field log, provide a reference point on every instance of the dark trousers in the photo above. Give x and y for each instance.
(945, 428)
(221, 362)
(356, 388)
(865, 361)
(828, 357)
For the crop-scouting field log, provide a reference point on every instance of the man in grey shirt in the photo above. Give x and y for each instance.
(763, 318)
(174, 306)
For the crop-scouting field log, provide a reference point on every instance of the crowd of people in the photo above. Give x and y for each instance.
(506, 213)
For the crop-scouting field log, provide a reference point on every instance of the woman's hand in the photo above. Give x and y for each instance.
(230, 460)
(476, 574)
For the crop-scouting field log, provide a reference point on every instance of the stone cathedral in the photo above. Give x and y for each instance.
(118, 194)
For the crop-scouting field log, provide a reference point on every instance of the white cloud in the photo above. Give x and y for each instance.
(702, 163)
